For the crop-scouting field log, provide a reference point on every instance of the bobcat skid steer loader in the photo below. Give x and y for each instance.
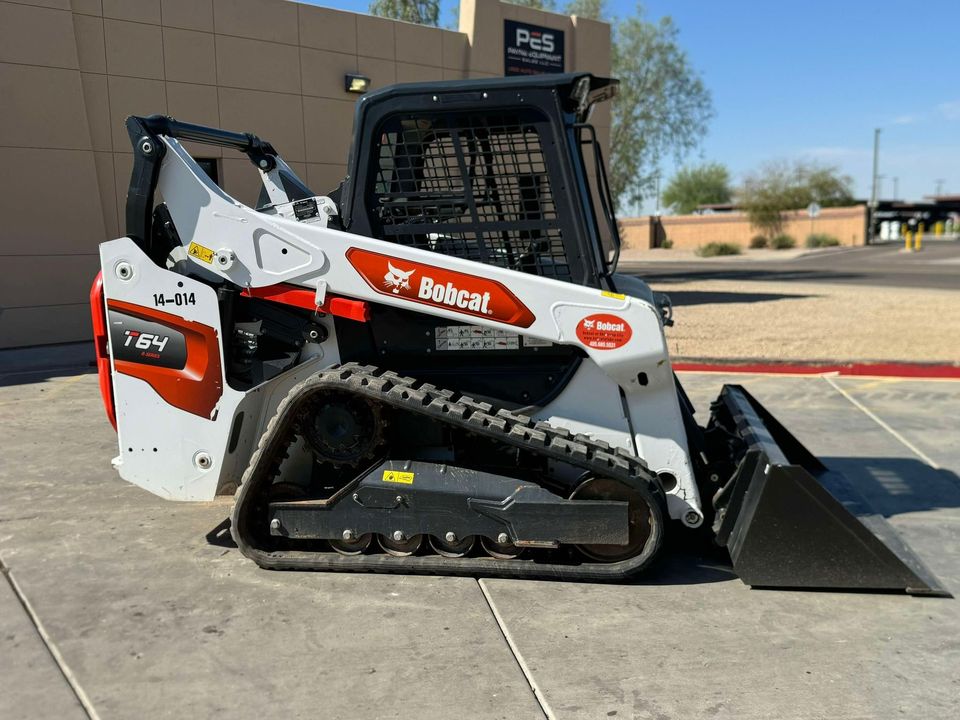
(435, 368)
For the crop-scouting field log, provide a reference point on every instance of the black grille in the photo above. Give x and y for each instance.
(472, 186)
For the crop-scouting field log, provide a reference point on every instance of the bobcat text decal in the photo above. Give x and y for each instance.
(430, 285)
(604, 332)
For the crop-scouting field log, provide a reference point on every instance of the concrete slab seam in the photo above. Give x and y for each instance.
(873, 416)
(517, 655)
(65, 670)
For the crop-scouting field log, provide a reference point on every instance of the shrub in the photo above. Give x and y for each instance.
(757, 242)
(666, 244)
(783, 242)
(718, 248)
(819, 240)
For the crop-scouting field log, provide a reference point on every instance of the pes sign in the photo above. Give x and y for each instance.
(531, 49)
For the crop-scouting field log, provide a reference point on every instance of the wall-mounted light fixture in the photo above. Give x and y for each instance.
(356, 83)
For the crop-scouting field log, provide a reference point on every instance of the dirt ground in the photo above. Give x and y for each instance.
(734, 319)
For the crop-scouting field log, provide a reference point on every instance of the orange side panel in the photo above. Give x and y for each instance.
(100, 338)
(198, 386)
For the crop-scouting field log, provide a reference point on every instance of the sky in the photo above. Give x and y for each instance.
(812, 80)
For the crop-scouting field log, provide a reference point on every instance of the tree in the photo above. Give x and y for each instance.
(695, 186)
(593, 9)
(780, 186)
(535, 4)
(422, 12)
(663, 106)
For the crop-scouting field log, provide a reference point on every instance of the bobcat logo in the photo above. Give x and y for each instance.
(397, 280)
(588, 324)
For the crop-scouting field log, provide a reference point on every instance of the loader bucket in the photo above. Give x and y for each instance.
(789, 522)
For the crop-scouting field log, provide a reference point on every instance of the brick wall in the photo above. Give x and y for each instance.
(688, 232)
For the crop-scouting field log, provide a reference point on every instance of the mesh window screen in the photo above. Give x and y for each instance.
(472, 186)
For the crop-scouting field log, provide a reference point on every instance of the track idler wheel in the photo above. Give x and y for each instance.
(451, 546)
(352, 545)
(399, 545)
(501, 548)
(641, 518)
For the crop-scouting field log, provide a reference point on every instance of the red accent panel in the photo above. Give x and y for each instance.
(298, 297)
(439, 287)
(350, 309)
(98, 315)
(892, 369)
(198, 386)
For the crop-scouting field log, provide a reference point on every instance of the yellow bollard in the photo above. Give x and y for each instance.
(938, 229)
(907, 240)
(919, 241)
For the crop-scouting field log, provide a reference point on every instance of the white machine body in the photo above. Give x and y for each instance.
(623, 392)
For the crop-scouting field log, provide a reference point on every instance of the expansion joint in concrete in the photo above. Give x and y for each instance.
(48, 643)
(517, 656)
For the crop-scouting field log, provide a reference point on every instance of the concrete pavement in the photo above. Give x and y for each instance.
(153, 620)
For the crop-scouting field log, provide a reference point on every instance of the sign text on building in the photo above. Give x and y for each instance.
(531, 49)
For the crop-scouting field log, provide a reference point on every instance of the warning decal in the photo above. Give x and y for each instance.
(604, 332)
(201, 253)
(397, 476)
(472, 337)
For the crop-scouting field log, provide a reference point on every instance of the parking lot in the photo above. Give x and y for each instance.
(117, 605)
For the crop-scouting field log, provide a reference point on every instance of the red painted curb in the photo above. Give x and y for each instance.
(893, 369)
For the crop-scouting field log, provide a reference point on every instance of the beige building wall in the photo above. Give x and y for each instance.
(71, 71)
(688, 232)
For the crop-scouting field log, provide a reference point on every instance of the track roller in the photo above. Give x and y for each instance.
(501, 548)
(398, 545)
(451, 546)
(351, 545)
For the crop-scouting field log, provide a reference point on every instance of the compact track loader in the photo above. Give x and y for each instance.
(435, 367)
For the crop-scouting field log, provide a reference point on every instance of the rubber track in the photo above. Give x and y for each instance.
(463, 412)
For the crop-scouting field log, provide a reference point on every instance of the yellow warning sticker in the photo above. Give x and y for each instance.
(615, 296)
(201, 253)
(396, 476)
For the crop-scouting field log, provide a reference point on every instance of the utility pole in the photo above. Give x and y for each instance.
(880, 179)
(896, 186)
(658, 193)
(939, 187)
(873, 191)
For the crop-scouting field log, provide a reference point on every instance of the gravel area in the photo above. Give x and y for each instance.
(729, 319)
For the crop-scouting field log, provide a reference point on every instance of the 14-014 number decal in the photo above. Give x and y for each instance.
(179, 299)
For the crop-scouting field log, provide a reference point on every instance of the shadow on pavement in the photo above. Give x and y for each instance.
(894, 486)
(681, 298)
(24, 376)
(689, 559)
